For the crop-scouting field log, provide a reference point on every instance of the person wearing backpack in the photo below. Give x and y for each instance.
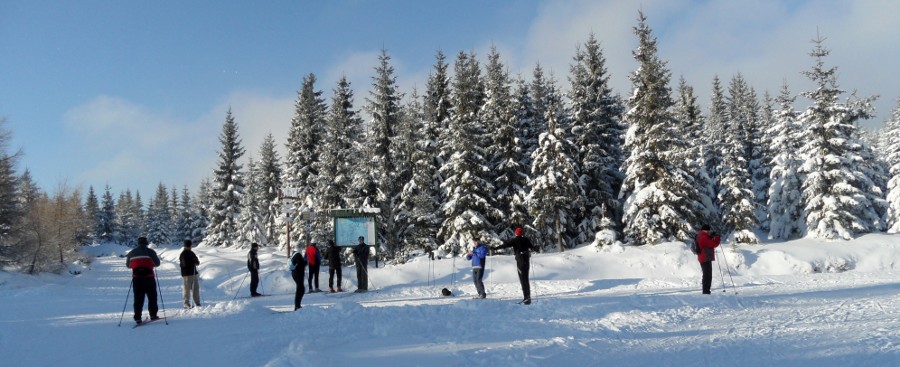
(314, 259)
(297, 266)
(189, 262)
(706, 243)
(142, 260)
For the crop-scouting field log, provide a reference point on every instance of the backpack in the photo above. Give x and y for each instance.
(695, 247)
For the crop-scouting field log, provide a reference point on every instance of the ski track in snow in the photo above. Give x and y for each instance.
(830, 319)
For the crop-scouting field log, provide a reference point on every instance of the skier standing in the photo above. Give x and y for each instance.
(314, 259)
(361, 252)
(189, 262)
(522, 248)
(333, 255)
(297, 266)
(253, 266)
(707, 241)
(141, 260)
(478, 255)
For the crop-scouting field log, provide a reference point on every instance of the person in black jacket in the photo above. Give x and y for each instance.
(253, 266)
(333, 255)
(522, 248)
(361, 252)
(189, 274)
(298, 267)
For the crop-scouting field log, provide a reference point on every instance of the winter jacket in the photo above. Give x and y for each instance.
(707, 244)
(189, 262)
(297, 264)
(333, 254)
(313, 257)
(141, 261)
(362, 252)
(252, 260)
(521, 246)
(479, 253)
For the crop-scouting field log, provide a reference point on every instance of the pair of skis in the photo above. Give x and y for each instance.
(148, 321)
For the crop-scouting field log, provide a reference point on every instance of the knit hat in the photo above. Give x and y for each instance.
(142, 241)
(254, 245)
(187, 243)
(519, 231)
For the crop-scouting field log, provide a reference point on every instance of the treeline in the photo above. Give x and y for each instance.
(478, 153)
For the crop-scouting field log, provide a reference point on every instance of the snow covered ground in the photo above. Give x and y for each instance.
(800, 303)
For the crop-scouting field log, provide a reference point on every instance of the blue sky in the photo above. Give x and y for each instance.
(131, 93)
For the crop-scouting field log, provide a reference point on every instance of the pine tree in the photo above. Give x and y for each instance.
(228, 188)
(691, 125)
(468, 203)
(251, 227)
(785, 205)
(383, 105)
(92, 212)
(200, 215)
(183, 222)
(527, 124)
(106, 222)
(661, 201)
(761, 159)
(504, 152)
(270, 186)
(840, 199)
(411, 132)
(159, 221)
(10, 212)
(127, 231)
(304, 137)
(597, 132)
(736, 199)
(555, 195)
(892, 156)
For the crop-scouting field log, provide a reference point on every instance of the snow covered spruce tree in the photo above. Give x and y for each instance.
(228, 188)
(504, 153)
(107, 226)
(661, 201)
(304, 137)
(785, 206)
(525, 121)
(597, 132)
(269, 177)
(343, 126)
(468, 204)
(891, 152)
(438, 107)
(92, 213)
(183, 227)
(251, 227)
(841, 199)
(555, 197)
(159, 220)
(691, 126)
(200, 213)
(420, 197)
(383, 105)
(736, 199)
(761, 156)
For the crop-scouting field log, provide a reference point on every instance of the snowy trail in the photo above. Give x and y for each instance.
(842, 319)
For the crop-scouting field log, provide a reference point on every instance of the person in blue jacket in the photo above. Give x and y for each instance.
(478, 255)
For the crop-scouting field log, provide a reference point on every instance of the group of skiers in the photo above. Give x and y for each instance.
(142, 260)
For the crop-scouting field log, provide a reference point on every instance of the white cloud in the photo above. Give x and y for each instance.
(129, 146)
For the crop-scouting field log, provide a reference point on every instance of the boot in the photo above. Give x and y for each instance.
(330, 290)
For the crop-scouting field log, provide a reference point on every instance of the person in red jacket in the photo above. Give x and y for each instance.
(707, 241)
(141, 260)
(314, 259)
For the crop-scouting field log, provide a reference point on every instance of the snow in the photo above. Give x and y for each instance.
(799, 303)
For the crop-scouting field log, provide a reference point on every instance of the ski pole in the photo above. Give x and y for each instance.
(240, 286)
(727, 268)
(368, 280)
(533, 281)
(161, 300)
(126, 301)
(721, 274)
(197, 275)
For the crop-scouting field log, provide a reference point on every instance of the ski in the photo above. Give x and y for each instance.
(261, 295)
(526, 301)
(147, 321)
